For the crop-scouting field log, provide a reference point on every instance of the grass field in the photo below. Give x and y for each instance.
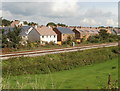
(93, 76)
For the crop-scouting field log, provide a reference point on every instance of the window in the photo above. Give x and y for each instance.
(42, 36)
(54, 36)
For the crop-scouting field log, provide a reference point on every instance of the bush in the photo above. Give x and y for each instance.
(56, 62)
(103, 37)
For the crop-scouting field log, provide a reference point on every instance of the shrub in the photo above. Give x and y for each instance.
(56, 62)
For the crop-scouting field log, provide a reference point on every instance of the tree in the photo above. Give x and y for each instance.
(103, 33)
(6, 22)
(25, 22)
(101, 27)
(103, 37)
(12, 38)
(51, 24)
(62, 25)
(32, 23)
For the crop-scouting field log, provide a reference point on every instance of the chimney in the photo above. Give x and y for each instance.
(36, 26)
(49, 27)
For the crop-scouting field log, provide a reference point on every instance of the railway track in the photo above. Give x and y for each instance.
(44, 52)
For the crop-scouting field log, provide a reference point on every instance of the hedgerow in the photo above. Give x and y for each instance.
(56, 62)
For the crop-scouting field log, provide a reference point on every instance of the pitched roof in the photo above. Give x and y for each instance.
(117, 31)
(88, 30)
(25, 27)
(45, 30)
(24, 30)
(65, 30)
(15, 23)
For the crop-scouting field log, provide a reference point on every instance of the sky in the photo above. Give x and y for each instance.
(69, 12)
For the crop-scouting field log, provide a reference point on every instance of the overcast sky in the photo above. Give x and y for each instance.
(68, 12)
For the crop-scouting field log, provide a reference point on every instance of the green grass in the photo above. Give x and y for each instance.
(93, 76)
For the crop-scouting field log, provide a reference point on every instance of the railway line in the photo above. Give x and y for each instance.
(44, 52)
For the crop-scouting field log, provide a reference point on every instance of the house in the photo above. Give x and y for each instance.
(17, 23)
(116, 31)
(43, 34)
(85, 32)
(7, 29)
(24, 33)
(63, 33)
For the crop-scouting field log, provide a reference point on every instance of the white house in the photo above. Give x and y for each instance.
(43, 34)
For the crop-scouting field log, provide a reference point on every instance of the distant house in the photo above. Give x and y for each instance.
(85, 33)
(63, 33)
(17, 23)
(43, 34)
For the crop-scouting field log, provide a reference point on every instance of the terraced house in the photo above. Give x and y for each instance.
(85, 32)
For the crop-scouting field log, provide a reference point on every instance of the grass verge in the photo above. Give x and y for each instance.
(94, 76)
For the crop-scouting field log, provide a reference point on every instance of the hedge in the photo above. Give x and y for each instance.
(56, 62)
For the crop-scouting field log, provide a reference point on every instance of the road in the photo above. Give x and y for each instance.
(44, 52)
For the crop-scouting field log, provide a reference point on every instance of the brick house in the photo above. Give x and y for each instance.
(85, 32)
(63, 33)
(17, 23)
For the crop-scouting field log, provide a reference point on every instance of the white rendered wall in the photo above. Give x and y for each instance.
(49, 39)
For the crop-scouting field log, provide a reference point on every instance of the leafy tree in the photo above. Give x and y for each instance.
(51, 24)
(103, 37)
(62, 25)
(94, 39)
(11, 39)
(32, 23)
(101, 27)
(25, 22)
(103, 33)
(6, 22)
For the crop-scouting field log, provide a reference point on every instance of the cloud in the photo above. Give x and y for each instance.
(27, 8)
(93, 13)
(64, 11)
(89, 21)
(61, 8)
(111, 22)
(65, 7)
